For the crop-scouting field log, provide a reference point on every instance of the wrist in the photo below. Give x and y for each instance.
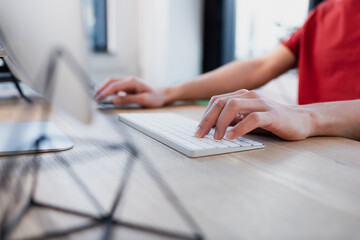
(307, 121)
(172, 94)
(314, 122)
(334, 118)
(321, 123)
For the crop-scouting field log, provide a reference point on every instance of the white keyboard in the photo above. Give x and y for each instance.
(178, 132)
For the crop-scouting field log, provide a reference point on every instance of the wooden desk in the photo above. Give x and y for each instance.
(289, 190)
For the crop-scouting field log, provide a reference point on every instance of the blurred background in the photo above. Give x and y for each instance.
(165, 42)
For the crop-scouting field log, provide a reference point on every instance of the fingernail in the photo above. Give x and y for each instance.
(230, 135)
(198, 132)
(216, 134)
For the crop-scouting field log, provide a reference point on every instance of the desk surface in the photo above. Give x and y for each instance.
(290, 190)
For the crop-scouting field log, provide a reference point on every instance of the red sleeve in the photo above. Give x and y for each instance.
(293, 43)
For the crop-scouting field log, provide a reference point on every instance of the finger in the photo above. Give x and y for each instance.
(105, 92)
(236, 107)
(130, 99)
(114, 87)
(209, 118)
(252, 121)
(100, 95)
(227, 95)
(239, 117)
(105, 85)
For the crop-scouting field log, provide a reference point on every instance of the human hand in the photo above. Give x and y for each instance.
(134, 91)
(247, 110)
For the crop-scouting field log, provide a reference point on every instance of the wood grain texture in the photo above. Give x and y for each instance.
(290, 190)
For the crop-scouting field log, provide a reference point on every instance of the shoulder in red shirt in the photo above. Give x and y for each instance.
(327, 48)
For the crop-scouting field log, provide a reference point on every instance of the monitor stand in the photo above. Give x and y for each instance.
(32, 137)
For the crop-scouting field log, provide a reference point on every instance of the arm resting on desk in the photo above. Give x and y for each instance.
(336, 119)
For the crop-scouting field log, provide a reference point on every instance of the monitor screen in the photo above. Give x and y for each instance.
(45, 42)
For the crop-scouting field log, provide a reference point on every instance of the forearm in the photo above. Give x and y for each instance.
(335, 119)
(231, 77)
(234, 76)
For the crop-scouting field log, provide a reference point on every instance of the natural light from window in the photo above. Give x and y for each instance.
(262, 24)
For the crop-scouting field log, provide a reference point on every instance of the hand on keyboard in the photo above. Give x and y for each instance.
(132, 92)
(178, 133)
(251, 111)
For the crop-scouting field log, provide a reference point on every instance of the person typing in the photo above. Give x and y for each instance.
(326, 51)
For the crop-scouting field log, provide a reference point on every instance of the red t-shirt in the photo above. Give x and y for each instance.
(327, 49)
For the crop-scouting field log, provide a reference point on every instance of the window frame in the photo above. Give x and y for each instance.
(218, 33)
(314, 3)
(99, 37)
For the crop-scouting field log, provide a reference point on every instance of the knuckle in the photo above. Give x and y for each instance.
(213, 99)
(220, 102)
(132, 79)
(232, 103)
(253, 94)
(242, 91)
(255, 117)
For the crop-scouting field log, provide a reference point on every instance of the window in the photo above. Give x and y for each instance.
(219, 33)
(96, 21)
(243, 29)
(262, 24)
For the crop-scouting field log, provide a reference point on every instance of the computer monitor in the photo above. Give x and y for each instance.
(45, 46)
(38, 34)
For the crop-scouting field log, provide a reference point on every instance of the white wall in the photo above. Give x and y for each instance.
(170, 40)
(122, 37)
(157, 40)
(257, 20)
